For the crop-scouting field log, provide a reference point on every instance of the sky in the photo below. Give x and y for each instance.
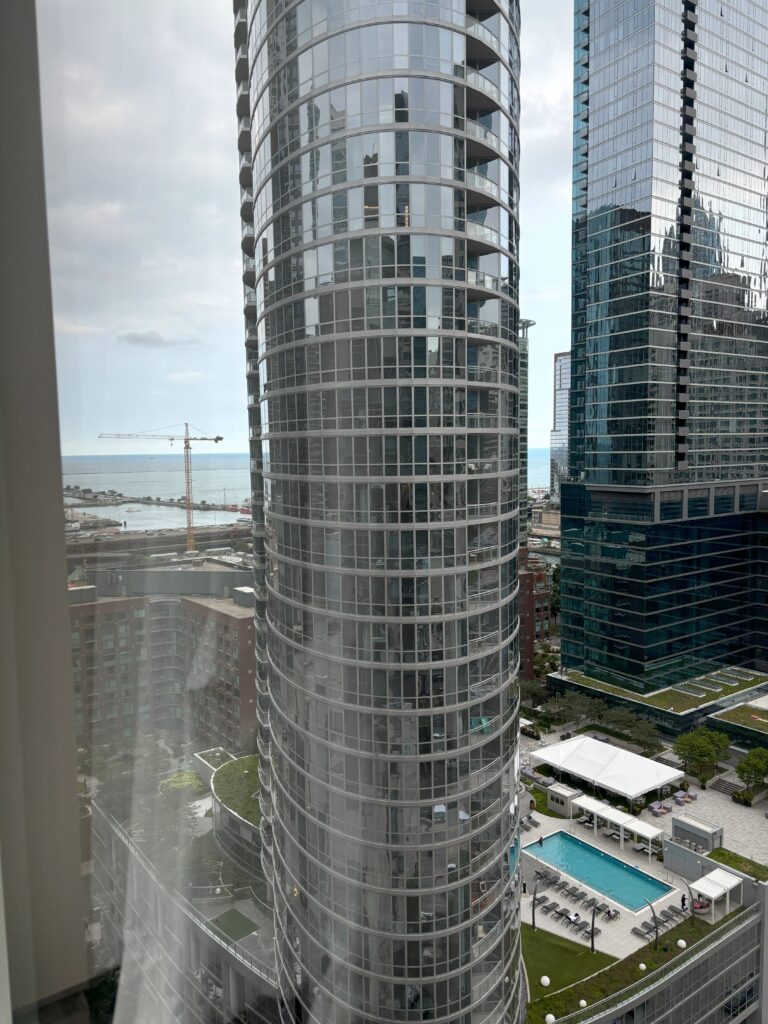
(139, 130)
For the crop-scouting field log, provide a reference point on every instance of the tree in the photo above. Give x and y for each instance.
(647, 736)
(753, 768)
(532, 692)
(700, 750)
(554, 601)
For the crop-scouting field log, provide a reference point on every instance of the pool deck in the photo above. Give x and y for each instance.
(616, 937)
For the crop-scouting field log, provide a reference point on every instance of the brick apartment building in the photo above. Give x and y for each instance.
(535, 608)
(175, 663)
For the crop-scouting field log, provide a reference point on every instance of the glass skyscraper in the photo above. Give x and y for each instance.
(558, 436)
(664, 565)
(378, 164)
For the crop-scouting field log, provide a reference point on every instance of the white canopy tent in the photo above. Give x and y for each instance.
(715, 885)
(625, 822)
(612, 768)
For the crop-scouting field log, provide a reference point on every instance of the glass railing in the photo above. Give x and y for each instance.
(480, 31)
(479, 81)
(483, 183)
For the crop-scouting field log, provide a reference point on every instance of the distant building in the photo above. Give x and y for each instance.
(523, 343)
(137, 667)
(535, 600)
(558, 438)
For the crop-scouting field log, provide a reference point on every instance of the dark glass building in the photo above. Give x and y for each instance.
(379, 154)
(663, 564)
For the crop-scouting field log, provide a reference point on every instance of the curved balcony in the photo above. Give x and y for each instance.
(481, 83)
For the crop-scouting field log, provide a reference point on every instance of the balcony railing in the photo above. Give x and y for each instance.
(480, 31)
(481, 82)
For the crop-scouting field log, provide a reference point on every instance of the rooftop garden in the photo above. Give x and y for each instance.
(734, 860)
(234, 924)
(552, 955)
(671, 698)
(236, 785)
(746, 715)
(621, 974)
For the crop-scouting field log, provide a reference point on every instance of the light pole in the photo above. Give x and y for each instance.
(533, 904)
(655, 925)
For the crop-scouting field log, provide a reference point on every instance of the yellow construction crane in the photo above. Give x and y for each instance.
(187, 439)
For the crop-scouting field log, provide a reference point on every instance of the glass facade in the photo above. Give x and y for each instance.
(558, 437)
(669, 397)
(379, 154)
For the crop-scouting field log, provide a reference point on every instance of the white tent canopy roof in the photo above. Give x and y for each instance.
(716, 883)
(626, 821)
(609, 767)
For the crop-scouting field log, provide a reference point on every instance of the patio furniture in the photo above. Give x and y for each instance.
(562, 884)
(550, 907)
(582, 926)
(678, 913)
(570, 893)
(666, 807)
(597, 931)
(656, 812)
(640, 934)
(580, 895)
(692, 794)
(602, 907)
(540, 899)
(667, 917)
(591, 902)
(640, 848)
(612, 914)
(648, 928)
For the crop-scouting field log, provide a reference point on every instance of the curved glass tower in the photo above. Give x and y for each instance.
(379, 152)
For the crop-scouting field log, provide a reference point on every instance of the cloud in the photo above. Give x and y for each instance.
(185, 375)
(154, 339)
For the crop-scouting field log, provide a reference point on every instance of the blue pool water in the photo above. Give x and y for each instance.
(621, 882)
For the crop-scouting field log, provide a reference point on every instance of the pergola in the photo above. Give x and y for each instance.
(715, 885)
(625, 822)
(611, 768)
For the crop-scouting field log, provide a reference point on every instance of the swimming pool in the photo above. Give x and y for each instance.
(621, 882)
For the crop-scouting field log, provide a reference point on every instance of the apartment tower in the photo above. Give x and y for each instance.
(664, 565)
(378, 164)
(558, 436)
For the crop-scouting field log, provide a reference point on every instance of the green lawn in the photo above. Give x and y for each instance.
(667, 699)
(234, 924)
(540, 796)
(749, 717)
(735, 860)
(562, 960)
(236, 784)
(623, 973)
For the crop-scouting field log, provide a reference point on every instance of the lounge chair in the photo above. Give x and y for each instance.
(562, 884)
(678, 913)
(558, 913)
(612, 914)
(640, 848)
(540, 899)
(591, 902)
(581, 926)
(570, 893)
(549, 907)
(667, 917)
(648, 928)
(602, 907)
(597, 931)
(640, 934)
(580, 895)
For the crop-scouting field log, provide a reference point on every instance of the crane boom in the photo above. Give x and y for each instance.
(187, 439)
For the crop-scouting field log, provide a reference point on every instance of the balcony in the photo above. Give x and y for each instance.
(482, 184)
(249, 278)
(243, 100)
(480, 82)
(241, 28)
(241, 64)
(479, 30)
(248, 239)
(244, 134)
(250, 302)
(246, 169)
(246, 204)
(478, 131)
